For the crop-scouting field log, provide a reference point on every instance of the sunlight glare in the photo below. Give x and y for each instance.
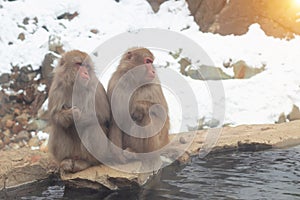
(297, 2)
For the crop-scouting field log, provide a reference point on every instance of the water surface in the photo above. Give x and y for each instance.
(272, 174)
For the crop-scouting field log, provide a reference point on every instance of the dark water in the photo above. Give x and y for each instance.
(273, 174)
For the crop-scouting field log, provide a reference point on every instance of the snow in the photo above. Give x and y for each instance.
(260, 99)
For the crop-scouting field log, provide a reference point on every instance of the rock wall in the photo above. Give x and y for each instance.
(277, 17)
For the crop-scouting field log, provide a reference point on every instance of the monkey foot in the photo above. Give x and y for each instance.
(73, 165)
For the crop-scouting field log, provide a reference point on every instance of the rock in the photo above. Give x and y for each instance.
(205, 12)
(17, 112)
(213, 123)
(207, 73)
(294, 114)
(22, 143)
(47, 67)
(55, 44)
(22, 119)
(17, 128)
(95, 31)
(235, 16)
(281, 119)
(23, 166)
(14, 146)
(184, 63)
(44, 146)
(21, 36)
(26, 21)
(34, 142)
(4, 78)
(103, 177)
(9, 123)
(36, 124)
(242, 70)
(182, 140)
(1, 144)
(29, 94)
(26, 69)
(6, 118)
(22, 135)
(39, 100)
(184, 158)
(6, 140)
(155, 4)
(7, 133)
(68, 16)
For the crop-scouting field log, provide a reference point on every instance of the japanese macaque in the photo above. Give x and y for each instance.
(140, 112)
(79, 113)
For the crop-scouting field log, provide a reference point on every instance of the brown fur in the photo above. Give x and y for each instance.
(142, 99)
(64, 142)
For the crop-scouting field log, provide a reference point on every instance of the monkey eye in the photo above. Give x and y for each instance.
(79, 63)
(149, 61)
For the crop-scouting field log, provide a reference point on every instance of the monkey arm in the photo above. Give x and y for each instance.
(65, 117)
(115, 135)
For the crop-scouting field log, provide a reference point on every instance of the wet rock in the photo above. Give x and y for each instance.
(36, 124)
(294, 114)
(4, 78)
(34, 142)
(281, 119)
(22, 135)
(21, 36)
(22, 119)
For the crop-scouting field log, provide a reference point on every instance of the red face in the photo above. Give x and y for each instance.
(149, 66)
(83, 71)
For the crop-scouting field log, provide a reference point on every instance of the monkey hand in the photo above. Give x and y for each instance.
(138, 114)
(76, 112)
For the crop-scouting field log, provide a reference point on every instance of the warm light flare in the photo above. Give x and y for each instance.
(297, 2)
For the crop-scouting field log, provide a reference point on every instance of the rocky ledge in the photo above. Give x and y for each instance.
(18, 167)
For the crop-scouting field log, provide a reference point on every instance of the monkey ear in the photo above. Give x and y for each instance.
(129, 55)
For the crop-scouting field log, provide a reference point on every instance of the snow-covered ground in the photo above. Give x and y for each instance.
(260, 99)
